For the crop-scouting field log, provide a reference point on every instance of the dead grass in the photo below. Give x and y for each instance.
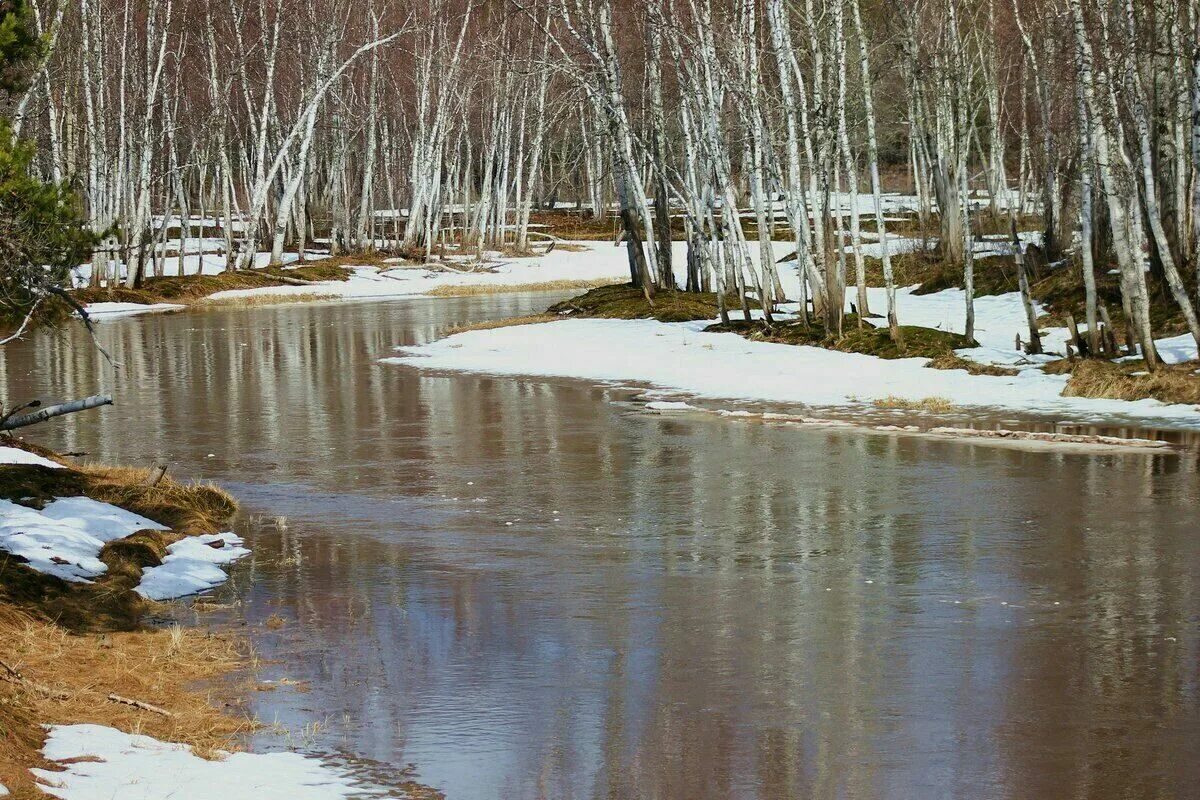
(623, 301)
(493, 324)
(933, 405)
(917, 342)
(476, 289)
(256, 300)
(952, 360)
(1128, 380)
(64, 678)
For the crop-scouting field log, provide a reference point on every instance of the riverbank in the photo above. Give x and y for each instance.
(568, 267)
(789, 363)
(92, 702)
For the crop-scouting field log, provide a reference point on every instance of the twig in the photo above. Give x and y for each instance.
(116, 698)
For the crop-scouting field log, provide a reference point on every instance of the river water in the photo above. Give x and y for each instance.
(526, 588)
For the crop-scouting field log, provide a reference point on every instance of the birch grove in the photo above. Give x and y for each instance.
(256, 131)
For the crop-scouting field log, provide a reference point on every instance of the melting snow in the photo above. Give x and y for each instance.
(116, 764)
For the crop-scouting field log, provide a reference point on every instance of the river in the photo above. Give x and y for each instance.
(523, 588)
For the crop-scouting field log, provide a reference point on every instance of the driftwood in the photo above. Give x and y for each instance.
(157, 473)
(49, 412)
(116, 698)
(294, 281)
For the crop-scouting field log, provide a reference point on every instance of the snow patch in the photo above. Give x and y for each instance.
(684, 358)
(132, 767)
(192, 565)
(64, 539)
(114, 310)
(15, 455)
(664, 405)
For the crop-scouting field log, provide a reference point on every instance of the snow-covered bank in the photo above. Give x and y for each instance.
(600, 262)
(111, 310)
(66, 536)
(683, 358)
(102, 762)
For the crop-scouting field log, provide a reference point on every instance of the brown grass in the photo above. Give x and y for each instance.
(255, 300)
(475, 289)
(493, 324)
(1173, 383)
(66, 678)
(952, 360)
(934, 405)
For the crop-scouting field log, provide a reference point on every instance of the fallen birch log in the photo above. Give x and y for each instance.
(49, 412)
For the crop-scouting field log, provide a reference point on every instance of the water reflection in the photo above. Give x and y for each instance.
(530, 589)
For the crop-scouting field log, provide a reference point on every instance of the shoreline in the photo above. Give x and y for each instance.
(93, 700)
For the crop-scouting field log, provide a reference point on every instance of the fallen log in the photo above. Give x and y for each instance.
(49, 412)
(138, 704)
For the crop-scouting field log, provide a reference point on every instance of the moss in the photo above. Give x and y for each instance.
(623, 301)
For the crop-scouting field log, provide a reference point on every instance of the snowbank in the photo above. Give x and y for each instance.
(682, 357)
(64, 539)
(192, 565)
(15, 455)
(112, 310)
(600, 262)
(102, 762)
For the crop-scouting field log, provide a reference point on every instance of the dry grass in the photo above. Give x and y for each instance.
(933, 405)
(952, 360)
(66, 679)
(255, 300)
(475, 289)
(1128, 380)
(493, 324)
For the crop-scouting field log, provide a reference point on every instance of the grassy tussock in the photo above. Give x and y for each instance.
(476, 289)
(954, 361)
(66, 678)
(623, 301)
(933, 405)
(1175, 383)
(489, 325)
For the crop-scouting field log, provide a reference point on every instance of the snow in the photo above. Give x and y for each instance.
(110, 310)
(15, 455)
(668, 405)
(64, 539)
(191, 566)
(600, 262)
(102, 762)
(682, 357)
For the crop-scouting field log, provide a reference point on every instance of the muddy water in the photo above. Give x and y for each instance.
(527, 589)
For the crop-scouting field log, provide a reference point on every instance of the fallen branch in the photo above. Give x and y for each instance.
(116, 698)
(14, 675)
(49, 412)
